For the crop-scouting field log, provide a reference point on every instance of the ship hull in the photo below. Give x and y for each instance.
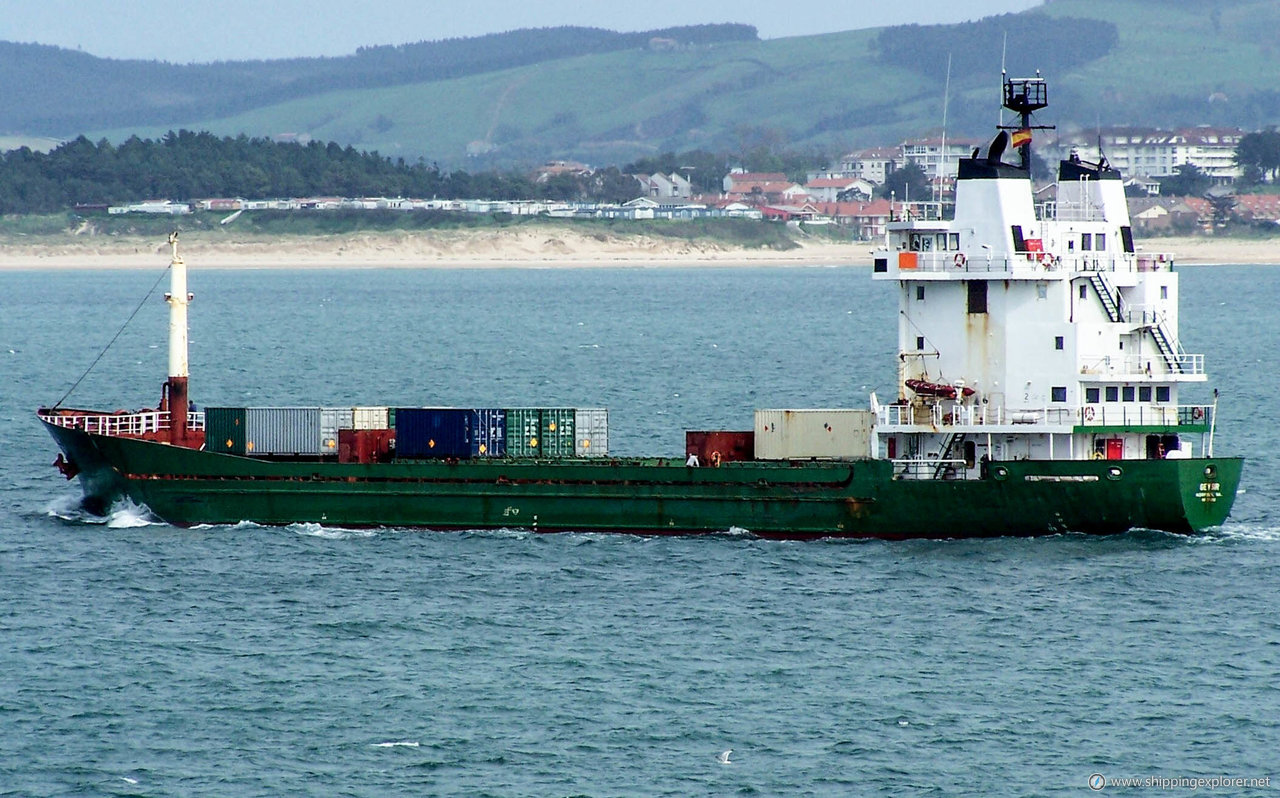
(805, 500)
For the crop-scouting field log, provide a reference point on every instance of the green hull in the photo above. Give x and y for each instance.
(858, 499)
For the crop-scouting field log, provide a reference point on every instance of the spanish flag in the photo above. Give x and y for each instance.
(1020, 137)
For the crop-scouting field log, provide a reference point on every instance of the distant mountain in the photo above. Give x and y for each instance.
(53, 91)
(605, 97)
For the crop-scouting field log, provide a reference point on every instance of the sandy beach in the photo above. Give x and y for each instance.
(548, 248)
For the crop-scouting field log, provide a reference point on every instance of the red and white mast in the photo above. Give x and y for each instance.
(176, 386)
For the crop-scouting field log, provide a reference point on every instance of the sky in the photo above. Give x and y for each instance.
(184, 31)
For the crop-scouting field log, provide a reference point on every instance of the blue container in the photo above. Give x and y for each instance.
(433, 432)
(488, 433)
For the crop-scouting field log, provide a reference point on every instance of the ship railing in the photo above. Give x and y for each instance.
(1144, 315)
(1144, 415)
(927, 468)
(121, 424)
(939, 415)
(1142, 365)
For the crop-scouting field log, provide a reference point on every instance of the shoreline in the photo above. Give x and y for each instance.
(551, 248)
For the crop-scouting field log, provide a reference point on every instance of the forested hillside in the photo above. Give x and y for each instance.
(53, 91)
(512, 100)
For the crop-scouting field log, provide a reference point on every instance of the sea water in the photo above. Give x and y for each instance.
(141, 659)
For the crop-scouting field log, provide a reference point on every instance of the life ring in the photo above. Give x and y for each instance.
(1046, 260)
(715, 459)
(960, 260)
(1088, 414)
(1197, 413)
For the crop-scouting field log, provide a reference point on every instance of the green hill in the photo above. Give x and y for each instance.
(1154, 62)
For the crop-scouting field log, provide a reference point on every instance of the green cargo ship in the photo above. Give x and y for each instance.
(1038, 363)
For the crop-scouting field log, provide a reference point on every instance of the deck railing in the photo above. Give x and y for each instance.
(1142, 365)
(1026, 264)
(1098, 415)
(121, 425)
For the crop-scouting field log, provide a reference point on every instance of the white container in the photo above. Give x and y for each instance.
(333, 419)
(813, 434)
(369, 418)
(591, 432)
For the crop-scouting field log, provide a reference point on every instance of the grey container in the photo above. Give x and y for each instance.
(591, 432)
(282, 431)
(333, 419)
(813, 434)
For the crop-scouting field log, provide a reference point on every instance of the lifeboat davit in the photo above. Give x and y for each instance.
(941, 390)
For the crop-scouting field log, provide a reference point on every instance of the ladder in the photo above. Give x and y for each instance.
(1110, 300)
(954, 440)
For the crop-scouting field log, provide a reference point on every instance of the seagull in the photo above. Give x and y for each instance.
(723, 758)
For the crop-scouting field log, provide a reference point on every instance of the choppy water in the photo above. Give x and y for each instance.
(140, 659)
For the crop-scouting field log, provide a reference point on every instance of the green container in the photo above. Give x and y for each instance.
(224, 429)
(557, 432)
(391, 418)
(524, 432)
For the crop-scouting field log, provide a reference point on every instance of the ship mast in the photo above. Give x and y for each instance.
(1025, 96)
(176, 386)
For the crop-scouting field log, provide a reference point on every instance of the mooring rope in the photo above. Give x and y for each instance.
(120, 331)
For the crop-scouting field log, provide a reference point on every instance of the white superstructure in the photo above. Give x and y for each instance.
(1030, 332)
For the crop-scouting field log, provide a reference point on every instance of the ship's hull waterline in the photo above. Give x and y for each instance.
(818, 499)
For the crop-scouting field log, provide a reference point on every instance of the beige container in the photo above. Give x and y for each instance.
(813, 434)
(369, 418)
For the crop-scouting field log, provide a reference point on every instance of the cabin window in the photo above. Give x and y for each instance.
(1144, 393)
(970, 454)
(1162, 393)
(1126, 238)
(1084, 291)
(977, 296)
(1086, 241)
(881, 265)
(920, 292)
(1058, 343)
(1100, 242)
(919, 343)
(1113, 393)
(1042, 290)
(942, 241)
(1092, 395)
(1164, 292)
(1019, 243)
(1127, 393)
(1059, 393)
(1071, 245)
(954, 238)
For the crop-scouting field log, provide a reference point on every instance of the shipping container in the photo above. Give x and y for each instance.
(370, 418)
(488, 433)
(224, 429)
(391, 418)
(365, 445)
(557, 432)
(333, 419)
(719, 446)
(434, 432)
(524, 432)
(806, 434)
(591, 432)
(282, 431)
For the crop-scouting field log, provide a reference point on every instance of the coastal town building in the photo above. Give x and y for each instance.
(1151, 152)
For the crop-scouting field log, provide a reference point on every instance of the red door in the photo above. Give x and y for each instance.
(1115, 448)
